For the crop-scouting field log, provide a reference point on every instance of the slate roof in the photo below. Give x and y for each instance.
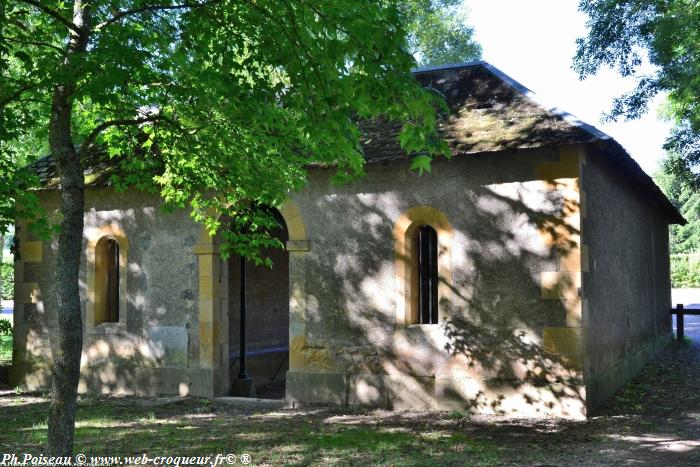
(98, 169)
(489, 112)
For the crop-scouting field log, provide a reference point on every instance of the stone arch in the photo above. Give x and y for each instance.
(405, 229)
(292, 217)
(213, 316)
(96, 237)
(295, 223)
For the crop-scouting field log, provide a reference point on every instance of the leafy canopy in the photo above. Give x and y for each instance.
(685, 239)
(218, 105)
(622, 33)
(438, 32)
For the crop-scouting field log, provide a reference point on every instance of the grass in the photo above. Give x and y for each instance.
(652, 421)
(286, 437)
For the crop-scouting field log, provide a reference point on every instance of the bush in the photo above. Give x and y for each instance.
(5, 340)
(5, 327)
(7, 277)
(685, 271)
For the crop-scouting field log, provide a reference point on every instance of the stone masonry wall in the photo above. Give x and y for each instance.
(627, 286)
(509, 339)
(155, 346)
(512, 326)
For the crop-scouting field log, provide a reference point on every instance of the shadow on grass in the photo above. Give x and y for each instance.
(642, 424)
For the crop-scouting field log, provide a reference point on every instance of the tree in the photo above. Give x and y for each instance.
(685, 239)
(219, 105)
(622, 33)
(438, 32)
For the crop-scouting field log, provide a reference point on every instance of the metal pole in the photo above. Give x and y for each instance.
(679, 323)
(243, 372)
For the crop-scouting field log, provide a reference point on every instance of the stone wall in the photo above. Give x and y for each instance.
(154, 348)
(627, 286)
(509, 338)
(512, 263)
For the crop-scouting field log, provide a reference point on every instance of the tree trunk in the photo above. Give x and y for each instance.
(66, 365)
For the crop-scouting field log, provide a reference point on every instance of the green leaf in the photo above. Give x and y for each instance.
(112, 152)
(421, 164)
(25, 58)
(625, 35)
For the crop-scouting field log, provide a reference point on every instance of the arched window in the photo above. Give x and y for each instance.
(107, 281)
(422, 248)
(427, 278)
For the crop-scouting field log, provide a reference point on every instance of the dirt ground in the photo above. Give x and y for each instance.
(654, 420)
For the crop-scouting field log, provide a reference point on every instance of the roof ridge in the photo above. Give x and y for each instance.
(447, 66)
(554, 110)
(522, 89)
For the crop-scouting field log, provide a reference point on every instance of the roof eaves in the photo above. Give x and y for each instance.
(622, 158)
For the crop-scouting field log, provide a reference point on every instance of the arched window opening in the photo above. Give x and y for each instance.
(423, 237)
(427, 258)
(107, 282)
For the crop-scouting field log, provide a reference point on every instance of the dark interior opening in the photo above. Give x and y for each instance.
(427, 275)
(267, 317)
(112, 289)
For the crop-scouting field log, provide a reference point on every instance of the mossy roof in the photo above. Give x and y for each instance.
(98, 169)
(489, 112)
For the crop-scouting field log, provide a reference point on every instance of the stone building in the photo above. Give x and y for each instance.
(528, 274)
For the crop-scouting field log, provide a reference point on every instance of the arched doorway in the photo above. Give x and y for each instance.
(266, 318)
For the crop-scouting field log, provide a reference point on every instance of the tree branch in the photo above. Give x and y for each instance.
(15, 95)
(90, 140)
(55, 15)
(142, 9)
(36, 43)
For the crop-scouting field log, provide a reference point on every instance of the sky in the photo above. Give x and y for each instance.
(533, 41)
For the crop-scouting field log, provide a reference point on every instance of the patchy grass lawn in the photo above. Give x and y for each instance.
(653, 421)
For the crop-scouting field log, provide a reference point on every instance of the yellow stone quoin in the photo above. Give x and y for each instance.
(208, 301)
(566, 167)
(566, 342)
(564, 236)
(31, 252)
(564, 233)
(560, 284)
